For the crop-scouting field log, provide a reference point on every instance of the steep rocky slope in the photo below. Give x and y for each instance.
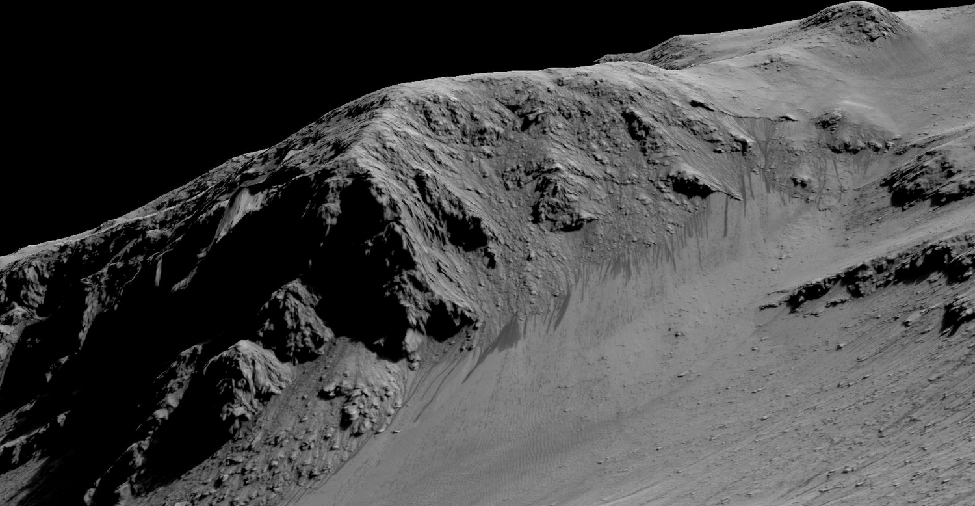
(733, 269)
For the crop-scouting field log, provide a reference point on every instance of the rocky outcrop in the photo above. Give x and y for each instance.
(954, 258)
(132, 473)
(691, 182)
(233, 387)
(21, 449)
(244, 378)
(960, 310)
(941, 174)
(290, 324)
(677, 52)
(370, 393)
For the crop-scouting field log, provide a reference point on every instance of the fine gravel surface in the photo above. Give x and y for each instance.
(736, 268)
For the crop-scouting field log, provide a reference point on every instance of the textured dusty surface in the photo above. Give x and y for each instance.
(733, 269)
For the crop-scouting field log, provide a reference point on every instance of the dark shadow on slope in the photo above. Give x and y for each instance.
(193, 433)
(691, 187)
(358, 271)
(509, 335)
(465, 231)
(100, 392)
(359, 265)
(127, 348)
(39, 347)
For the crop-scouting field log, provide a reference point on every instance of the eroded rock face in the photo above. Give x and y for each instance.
(960, 310)
(272, 313)
(675, 53)
(245, 377)
(942, 174)
(370, 391)
(348, 228)
(691, 182)
(291, 326)
(129, 473)
(953, 258)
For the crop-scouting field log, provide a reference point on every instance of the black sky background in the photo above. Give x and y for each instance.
(111, 109)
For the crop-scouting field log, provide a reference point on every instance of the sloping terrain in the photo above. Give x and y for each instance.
(733, 269)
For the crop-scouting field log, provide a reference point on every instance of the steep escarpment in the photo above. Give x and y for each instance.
(260, 332)
(440, 202)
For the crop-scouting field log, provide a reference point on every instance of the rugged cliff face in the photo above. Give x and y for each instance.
(248, 337)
